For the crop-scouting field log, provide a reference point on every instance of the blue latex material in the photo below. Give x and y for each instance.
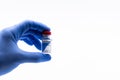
(10, 55)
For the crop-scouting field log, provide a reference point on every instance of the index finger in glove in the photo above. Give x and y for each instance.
(22, 28)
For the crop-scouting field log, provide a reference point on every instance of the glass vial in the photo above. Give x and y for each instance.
(46, 42)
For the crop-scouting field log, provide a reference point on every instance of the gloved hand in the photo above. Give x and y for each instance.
(10, 55)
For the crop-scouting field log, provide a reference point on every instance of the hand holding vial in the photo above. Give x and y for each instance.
(30, 32)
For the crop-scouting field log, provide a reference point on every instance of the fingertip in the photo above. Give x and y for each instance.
(48, 56)
(45, 57)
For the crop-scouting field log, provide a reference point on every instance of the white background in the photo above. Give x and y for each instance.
(85, 38)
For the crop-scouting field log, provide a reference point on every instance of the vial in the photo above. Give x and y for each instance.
(46, 42)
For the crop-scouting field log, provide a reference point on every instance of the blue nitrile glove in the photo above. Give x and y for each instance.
(10, 55)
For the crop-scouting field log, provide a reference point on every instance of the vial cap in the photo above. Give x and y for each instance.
(45, 32)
